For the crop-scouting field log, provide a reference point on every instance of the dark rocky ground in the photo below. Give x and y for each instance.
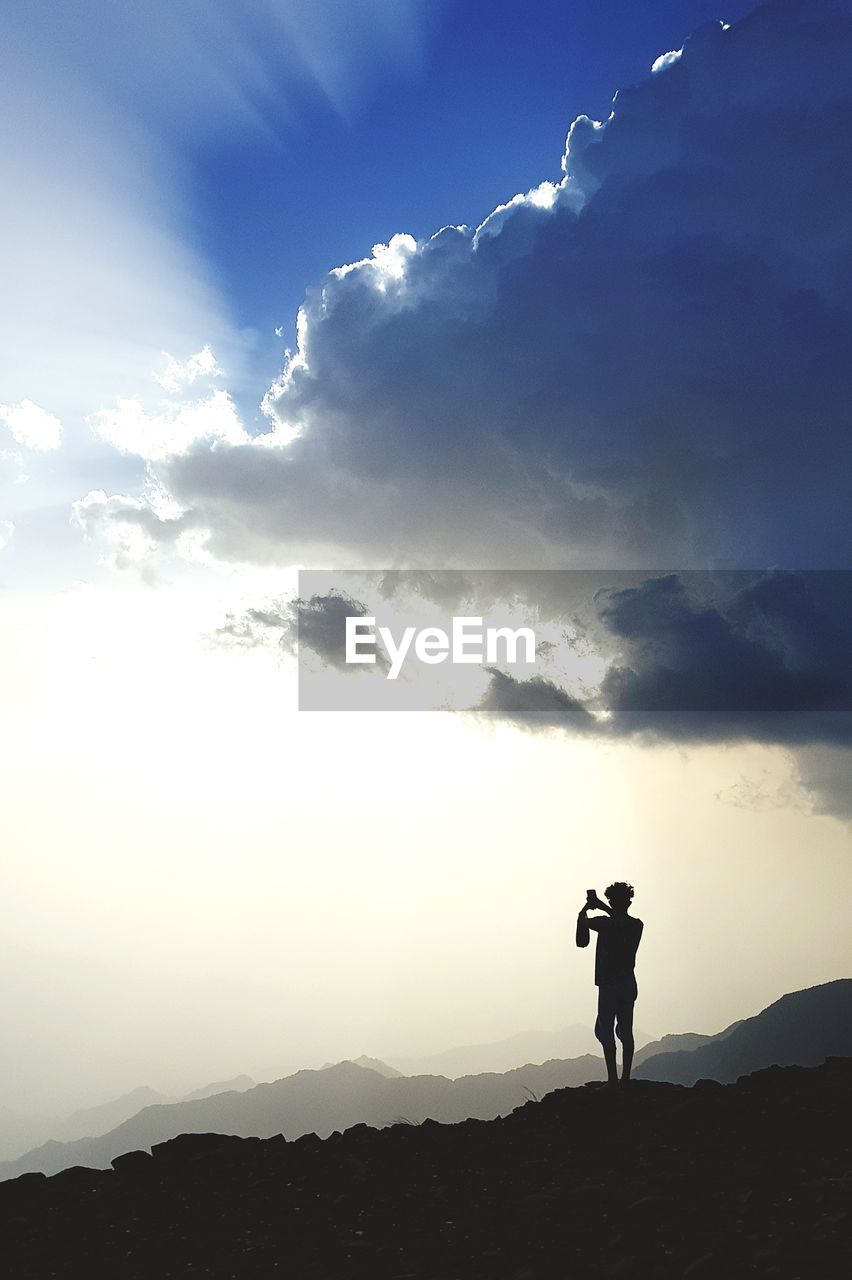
(752, 1179)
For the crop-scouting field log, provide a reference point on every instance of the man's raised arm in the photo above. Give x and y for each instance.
(582, 937)
(584, 924)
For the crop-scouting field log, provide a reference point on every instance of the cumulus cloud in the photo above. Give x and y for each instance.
(32, 426)
(134, 527)
(645, 367)
(171, 430)
(665, 60)
(7, 528)
(175, 424)
(178, 375)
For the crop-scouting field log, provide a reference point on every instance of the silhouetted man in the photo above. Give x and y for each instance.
(615, 958)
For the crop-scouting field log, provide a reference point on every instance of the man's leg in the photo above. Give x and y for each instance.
(604, 1032)
(624, 1029)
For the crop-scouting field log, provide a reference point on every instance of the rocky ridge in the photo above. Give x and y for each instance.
(751, 1179)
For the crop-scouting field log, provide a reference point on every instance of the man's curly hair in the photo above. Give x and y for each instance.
(619, 894)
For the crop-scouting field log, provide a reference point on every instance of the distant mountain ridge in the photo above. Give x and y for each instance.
(91, 1122)
(677, 1042)
(802, 1029)
(332, 1098)
(372, 1064)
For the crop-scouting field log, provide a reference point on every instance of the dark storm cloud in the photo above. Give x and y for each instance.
(317, 624)
(776, 648)
(535, 703)
(706, 657)
(690, 656)
(321, 626)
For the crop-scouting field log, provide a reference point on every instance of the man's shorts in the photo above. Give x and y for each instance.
(615, 1005)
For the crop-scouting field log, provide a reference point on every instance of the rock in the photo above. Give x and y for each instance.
(134, 1162)
(308, 1140)
(194, 1146)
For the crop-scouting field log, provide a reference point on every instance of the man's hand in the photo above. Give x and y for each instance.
(595, 904)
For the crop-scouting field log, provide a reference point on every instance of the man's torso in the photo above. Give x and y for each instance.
(615, 954)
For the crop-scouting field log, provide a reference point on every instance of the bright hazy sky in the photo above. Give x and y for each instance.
(200, 880)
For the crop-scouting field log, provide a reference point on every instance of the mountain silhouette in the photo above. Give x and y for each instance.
(656, 1181)
(19, 1134)
(802, 1028)
(319, 1102)
(90, 1122)
(677, 1042)
(238, 1084)
(373, 1064)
